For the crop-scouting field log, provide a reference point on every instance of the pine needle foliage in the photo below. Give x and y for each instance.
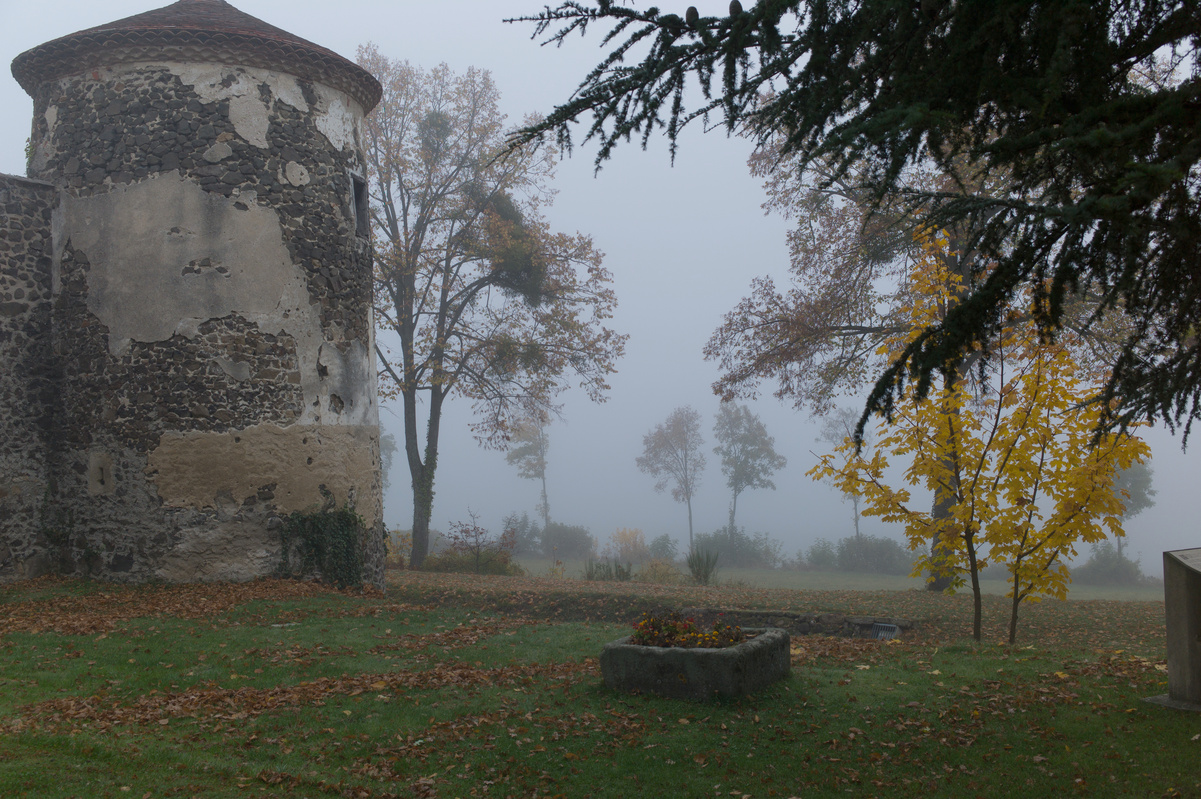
(1088, 111)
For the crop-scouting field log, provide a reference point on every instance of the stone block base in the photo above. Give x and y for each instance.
(697, 673)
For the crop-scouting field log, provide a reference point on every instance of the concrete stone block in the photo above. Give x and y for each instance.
(1182, 606)
(697, 674)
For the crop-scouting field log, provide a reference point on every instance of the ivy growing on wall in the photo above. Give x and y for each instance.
(324, 542)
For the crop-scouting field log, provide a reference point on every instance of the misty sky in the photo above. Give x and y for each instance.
(682, 242)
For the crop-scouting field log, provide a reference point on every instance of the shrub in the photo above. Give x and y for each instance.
(526, 533)
(603, 571)
(472, 549)
(873, 555)
(397, 546)
(660, 571)
(627, 545)
(822, 556)
(567, 541)
(664, 547)
(736, 548)
(325, 543)
(702, 565)
(489, 562)
(1107, 567)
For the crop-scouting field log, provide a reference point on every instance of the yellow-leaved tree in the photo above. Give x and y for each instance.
(1008, 446)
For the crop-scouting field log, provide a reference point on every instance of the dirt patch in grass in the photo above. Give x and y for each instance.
(1084, 624)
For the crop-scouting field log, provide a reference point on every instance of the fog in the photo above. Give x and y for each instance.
(682, 242)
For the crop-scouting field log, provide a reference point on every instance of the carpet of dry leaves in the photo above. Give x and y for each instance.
(1123, 642)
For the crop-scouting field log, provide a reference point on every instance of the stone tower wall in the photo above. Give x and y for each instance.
(27, 376)
(212, 316)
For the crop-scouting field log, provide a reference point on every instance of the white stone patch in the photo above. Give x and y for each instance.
(43, 151)
(249, 117)
(287, 90)
(336, 116)
(218, 152)
(296, 174)
(238, 370)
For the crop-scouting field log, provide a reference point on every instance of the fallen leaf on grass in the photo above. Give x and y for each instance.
(86, 614)
(211, 701)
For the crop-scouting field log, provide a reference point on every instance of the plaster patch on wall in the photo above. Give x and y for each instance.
(231, 550)
(286, 89)
(218, 152)
(42, 154)
(351, 377)
(248, 112)
(249, 117)
(192, 470)
(142, 238)
(336, 116)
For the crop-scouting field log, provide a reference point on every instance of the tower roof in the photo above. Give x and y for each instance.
(194, 30)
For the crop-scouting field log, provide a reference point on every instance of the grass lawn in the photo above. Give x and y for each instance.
(452, 685)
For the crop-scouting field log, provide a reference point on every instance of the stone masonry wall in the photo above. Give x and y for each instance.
(211, 293)
(27, 376)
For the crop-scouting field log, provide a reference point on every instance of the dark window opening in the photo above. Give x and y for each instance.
(362, 218)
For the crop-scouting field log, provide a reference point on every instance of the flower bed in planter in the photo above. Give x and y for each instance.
(697, 673)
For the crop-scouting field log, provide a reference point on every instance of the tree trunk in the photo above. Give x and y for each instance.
(422, 473)
(855, 510)
(423, 508)
(733, 509)
(944, 501)
(545, 504)
(939, 549)
(976, 601)
(1013, 613)
(689, 503)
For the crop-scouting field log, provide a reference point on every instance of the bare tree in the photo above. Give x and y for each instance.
(671, 453)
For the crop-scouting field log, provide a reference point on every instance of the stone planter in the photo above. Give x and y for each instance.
(697, 673)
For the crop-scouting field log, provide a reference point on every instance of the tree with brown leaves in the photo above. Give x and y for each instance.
(671, 453)
(475, 296)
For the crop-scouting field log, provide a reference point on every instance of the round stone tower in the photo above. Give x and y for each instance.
(211, 314)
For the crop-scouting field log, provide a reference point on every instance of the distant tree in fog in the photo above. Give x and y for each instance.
(663, 547)
(387, 449)
(747, 452)
(671, 453)
(529, 443)
(1134, 486)
(837, 427)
